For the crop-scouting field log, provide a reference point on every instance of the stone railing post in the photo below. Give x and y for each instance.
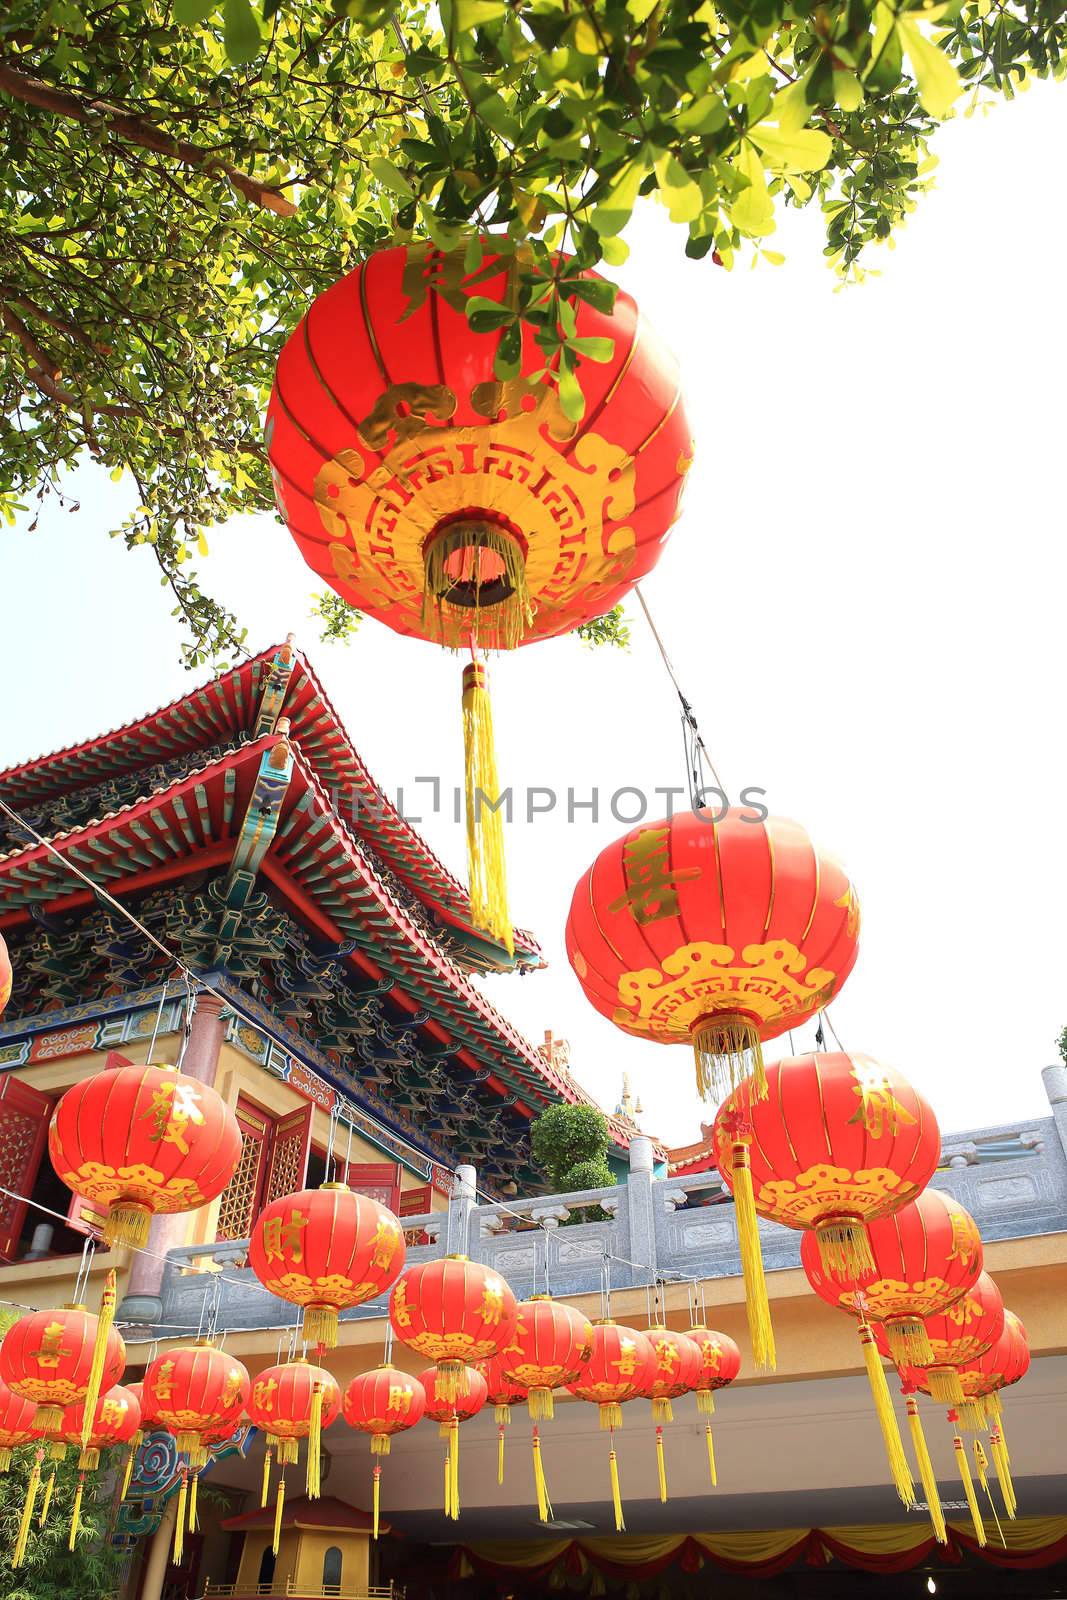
(641, 1212)
(461, 1204)
(1055, 1080)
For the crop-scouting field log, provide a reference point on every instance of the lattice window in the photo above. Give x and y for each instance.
(240, 1198)
(290, 1144)
(24, 1114)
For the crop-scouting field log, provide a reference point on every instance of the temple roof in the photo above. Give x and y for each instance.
(246, 701)
(327, 1515)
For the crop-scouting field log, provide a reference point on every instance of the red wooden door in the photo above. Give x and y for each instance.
(287, 1160)
(415, 1203)
(378, 1180)
(24, 1114)
(241, 1197)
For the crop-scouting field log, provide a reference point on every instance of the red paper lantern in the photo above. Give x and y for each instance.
(382, 1403)
(925, 1256)
(5, 975)
(550, 1347)
(502, 1391)
(678, 1365)
(285, 1400)
(16, 1424)
(115, 1421)
(194, 1390)
(720, 1362)
(138, 1141)
(960, 1334)
(622, 1366)
(47, 1357)
(453, 1311)
(719, 933)
(448, 1403)
(451, 505)
(1004, 1363)
(326, 1249)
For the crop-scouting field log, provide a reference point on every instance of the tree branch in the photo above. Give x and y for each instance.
(135, 130)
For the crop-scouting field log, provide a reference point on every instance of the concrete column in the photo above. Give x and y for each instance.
(456, 1238)
(639, 1205)
(155, 1570)
(141, 1302)
(1055, 1079)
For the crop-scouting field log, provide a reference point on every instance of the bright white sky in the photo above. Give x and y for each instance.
(864, 601)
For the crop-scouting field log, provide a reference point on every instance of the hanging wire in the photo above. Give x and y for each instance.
(155, 1028)
(696, 752)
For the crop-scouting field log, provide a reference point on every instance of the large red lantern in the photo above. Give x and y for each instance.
(192, 1391)
(449, 1403)
(326, 1249)
(455, 506)
(964, 1331)
(549, 1348)
(137, 1141)
(16, 1424)
(382, 1403)
(839, 1140)
(622, 1365)
(5, 975)
(925, 1256)
(48, 1357)
(720, 1362)
(453, 1311)
(722, 933)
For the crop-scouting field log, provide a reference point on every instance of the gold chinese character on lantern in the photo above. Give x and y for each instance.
(51, 1351)
(399, 1398)
(492, 1300)
(399, 1309)
(173, 1107)
(626, 1365)
(263, 1393)
(651, 892)
(163, 1384)
(281, 1236)
(386, 1235)
(879, 1110)
(232, 1387)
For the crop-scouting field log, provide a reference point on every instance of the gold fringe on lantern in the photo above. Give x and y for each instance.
(264, 1493)
(49, 1419)
(662, 1410)
(887, 1418)
(451, 1382)
(502, 1416)
(972, 1415)
(844, 1248)
(127, 1223)
(193, 1484)
(379, 1444)
(49, 1490)
(1003, 1472)
(320, 1326)
(453, 1462)
(909, 1343)
(179, 1522)
(314, 1461)
(76, 1512)
(444, 1430)
(500, 1453)
(661, 1467)
(728, 1053)
(968, 1489)
(757, 1304)
(927, 1476)
(705, 1403)
(711, 1457)
(945, 1386)
(507, 618)
(377, 1501)
(610, 1416)
(486, 870)
(541, 1405)
(19, 1554)
(279, 1507)
(5, 1458)
(993, 1407)
(544, 1504)
(105, 1317)
(57, 1450)
(616, 1493)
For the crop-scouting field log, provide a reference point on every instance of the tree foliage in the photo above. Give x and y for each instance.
(566, 1137)
(52, 1572)
(178, 180)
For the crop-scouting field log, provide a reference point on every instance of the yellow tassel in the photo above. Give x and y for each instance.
(500, 1454)
(451, 1382)
(1003, 1472)
(616, 1495)
(728, 1053)
(28, 1504)
(476, 586)
(377, 1497)
(192, 1501)
(705, 1403)
(927, 1476)
(972, 1415)
(998, 1417)
(945, 1386)
(5, 1457)
(379, 1444)
(541, 1406)
(127, 1224)
(486, 870)
(264, 1493)
(179, 1521)
(76, 1513)
(320, 1326)
(887, 1420)
(453, 1447)
(279, 1507)
(968, 1489)
(711, 1457)
(314, 1464)
(502, 1416)
(757, 1304)
(127, 1476)
(610, 1416)
(981, 1465)
(105, 1318)
(909, 1342)
(662, 1411)
(448, 1484)
(49, 1489)
(544, 1504)
(994, 1407)
(661, 1467)
(844, 1248)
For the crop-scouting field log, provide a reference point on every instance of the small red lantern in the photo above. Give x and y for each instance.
(290, 1402)
(192, 1391)
(449, 1403)
(16, 1424)
(326, 1249)
(838, 1141)
(139, 1141)
(720, 1362)
(503, 1393)
(456, 507)
(381, 1403)
(621, 1366)
(47, 1357)
(550, 1347)
(678, 1363)
(964, 1331)
(982, 1379)
(5, 975)
(453, 1311)
(115, 1422)
(722, 933)
(925, 1256)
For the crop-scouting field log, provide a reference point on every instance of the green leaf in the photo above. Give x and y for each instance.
(391, 176)
(938, 82)
(486, 316)
(753, 209)
(805, 150)
(508, 361)
(594, 348)
(571, 398)
(680, 193)
(190, 12)
(615, 209)
(474, 13)
(241, 35)
(615, 251)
